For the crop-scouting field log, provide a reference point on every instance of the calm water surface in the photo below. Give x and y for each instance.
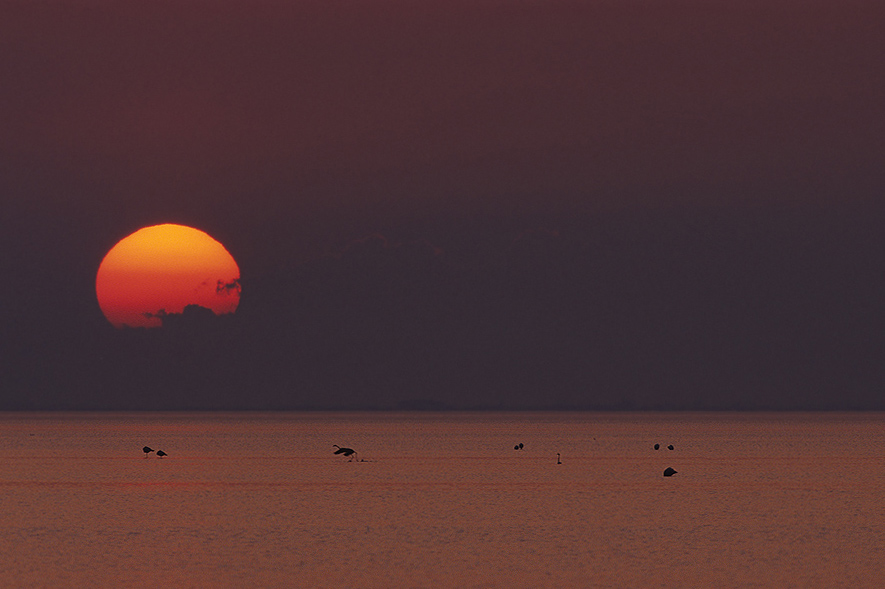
(442, 500)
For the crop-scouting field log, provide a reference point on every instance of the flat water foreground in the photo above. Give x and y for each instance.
(442, 500)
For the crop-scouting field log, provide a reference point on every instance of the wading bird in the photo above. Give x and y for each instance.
(160, 453)
(670, 447)
(558, 461)
(519, 446)
(350, 452)
(147, 450)
(657, 446)
(669, 472)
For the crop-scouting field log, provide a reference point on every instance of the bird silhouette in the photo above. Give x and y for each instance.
(160, 453)
(147, 450)
(669, 472)
(519, 446)
(657, 446)
(670, 447)
(558, 461)
(350, 452)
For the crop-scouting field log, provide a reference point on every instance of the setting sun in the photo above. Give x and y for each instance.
(162, 269)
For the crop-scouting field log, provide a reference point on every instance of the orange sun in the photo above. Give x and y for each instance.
(160, 270)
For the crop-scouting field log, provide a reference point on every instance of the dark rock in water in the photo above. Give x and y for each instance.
(657, 446)
(670, 447)
(669, 472)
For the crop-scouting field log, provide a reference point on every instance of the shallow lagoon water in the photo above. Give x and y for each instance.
(442, 500)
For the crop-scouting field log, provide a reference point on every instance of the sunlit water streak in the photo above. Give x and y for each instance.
(442, 500)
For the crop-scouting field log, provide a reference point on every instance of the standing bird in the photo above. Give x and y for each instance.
(350, 452)
(147, 450)
(669, 472)
(160, 454)
(558, 461)
(519, 446)
(670, 447)
(657, 446)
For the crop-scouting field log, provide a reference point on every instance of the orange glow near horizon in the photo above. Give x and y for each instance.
(162, 269)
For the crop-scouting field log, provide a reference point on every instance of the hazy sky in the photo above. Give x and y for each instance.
(624, 204)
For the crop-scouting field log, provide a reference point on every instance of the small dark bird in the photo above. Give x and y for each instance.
(670, 447)
(160, 453)
(669, 472)
(147, 450)
(657, 446)
(346, 451)
(519, 446)
(558, 461)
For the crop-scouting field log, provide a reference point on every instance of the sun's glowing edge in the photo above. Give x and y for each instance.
(162, 269)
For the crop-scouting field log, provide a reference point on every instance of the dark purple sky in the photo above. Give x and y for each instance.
(629, 204)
